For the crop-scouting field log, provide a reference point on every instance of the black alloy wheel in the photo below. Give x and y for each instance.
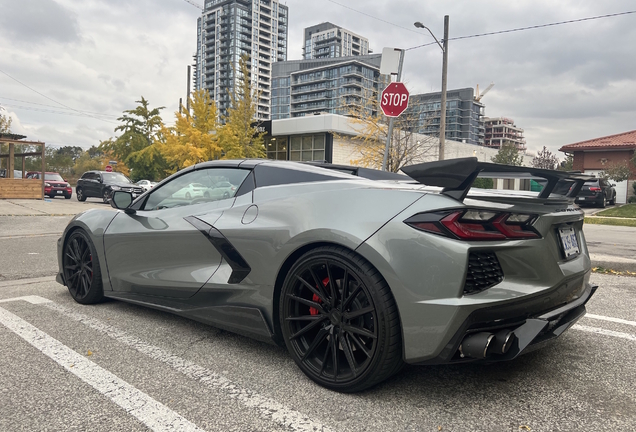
(79, 192)
(82, 274)
(106, 196)
(339, 320)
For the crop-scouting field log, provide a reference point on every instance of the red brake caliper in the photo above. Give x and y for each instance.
(313, 310)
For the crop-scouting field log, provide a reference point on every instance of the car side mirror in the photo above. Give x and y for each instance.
(122, 200)
(613, 184)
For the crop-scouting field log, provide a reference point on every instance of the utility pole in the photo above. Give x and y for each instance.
(188, 97)
(442, 125)
(390, 131)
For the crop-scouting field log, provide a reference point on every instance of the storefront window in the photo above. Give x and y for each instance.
(277, 148)
(307, 148)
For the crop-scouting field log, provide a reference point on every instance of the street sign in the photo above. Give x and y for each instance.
(109, 168)
(394, 100)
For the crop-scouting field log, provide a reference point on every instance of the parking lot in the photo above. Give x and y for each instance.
(116, 366)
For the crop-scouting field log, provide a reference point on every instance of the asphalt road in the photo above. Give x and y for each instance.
(115, 366)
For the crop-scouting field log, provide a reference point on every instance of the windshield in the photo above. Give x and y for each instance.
(53, 177)
(115, 177)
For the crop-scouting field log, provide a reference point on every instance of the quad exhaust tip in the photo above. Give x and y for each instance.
(483, 344)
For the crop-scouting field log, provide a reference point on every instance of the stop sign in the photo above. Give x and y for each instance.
(109, 168)
(394, 100)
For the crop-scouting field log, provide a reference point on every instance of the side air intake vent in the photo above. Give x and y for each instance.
(484, 272)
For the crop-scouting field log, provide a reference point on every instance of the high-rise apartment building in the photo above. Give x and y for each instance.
(464, 115)
(307, 87)
(327, 40)
(229, 29)
(502, 130)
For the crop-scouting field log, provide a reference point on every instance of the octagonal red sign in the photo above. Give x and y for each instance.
(395, 99)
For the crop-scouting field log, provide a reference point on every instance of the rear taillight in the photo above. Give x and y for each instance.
(475, 224)
(595, 189)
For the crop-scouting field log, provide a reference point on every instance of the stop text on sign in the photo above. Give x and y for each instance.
(394, 99)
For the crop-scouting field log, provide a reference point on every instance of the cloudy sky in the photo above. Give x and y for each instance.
(68, 68)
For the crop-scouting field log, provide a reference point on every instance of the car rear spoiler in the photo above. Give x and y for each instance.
(456, 176)
(367, 173)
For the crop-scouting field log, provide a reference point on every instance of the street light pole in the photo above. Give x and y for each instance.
(442, 126)
(444, 47)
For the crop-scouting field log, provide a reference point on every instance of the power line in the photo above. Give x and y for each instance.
(53, 100)
(375, 18)
(53, 106)
(484, 34)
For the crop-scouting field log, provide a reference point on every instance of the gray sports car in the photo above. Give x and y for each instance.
(355, 271)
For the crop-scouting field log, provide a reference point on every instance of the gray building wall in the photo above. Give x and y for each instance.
(464, 116)
(327, 40)
(228, 29)
(308, 87)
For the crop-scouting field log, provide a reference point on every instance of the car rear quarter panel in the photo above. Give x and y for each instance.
(292, 217)
(426, 272)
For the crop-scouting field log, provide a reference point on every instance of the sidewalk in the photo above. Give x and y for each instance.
(46, 207)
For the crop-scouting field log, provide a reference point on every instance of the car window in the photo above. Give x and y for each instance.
(53, 177)
(196, 187)
(115, 177)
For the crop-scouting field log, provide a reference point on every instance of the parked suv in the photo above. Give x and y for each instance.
(597, 192)
(54, 184)
(101, 184)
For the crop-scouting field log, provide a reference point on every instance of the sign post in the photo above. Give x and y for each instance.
(391, 107)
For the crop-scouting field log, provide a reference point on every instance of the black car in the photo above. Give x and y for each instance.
(598, 192)
(101, 184)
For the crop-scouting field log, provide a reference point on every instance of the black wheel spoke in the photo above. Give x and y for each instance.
(351, 297)
(334, 355)
(309, 326)
(321, 336)
(348, 352)
(305, 318)
(309, 303)
(359, 312)
(332, 286)
(360, 345)
(324, 359)
(345, 285)
(319, 292)
(359, 330)
(319, 285)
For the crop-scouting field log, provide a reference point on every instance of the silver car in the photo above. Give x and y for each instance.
(354, 271)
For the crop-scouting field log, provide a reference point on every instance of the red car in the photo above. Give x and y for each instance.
(54, 184)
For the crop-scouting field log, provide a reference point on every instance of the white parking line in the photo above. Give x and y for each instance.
(153, 414)
(267, 408)
(611, 319)
(604, 332)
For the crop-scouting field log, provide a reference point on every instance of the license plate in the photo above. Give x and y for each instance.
(60, 192)
(569, 242)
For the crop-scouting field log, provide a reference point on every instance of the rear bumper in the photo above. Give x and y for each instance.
(531, 331)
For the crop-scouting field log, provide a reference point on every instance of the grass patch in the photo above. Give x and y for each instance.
(625, 211)
(608, 221)
(603, 270)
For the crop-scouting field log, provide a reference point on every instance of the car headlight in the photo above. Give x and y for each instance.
(47, 184)
(115, 188)
(67, 185)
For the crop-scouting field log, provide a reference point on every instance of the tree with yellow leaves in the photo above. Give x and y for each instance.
(239, 136)
(194, 137)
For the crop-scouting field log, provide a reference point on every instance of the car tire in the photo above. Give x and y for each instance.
(206, 195)
(339, 320)
(226, 194)
(188, 196)
(106, 197)
(613, 200)
(603, 203)
(79, 192)
(67, 196)
(82, 273)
